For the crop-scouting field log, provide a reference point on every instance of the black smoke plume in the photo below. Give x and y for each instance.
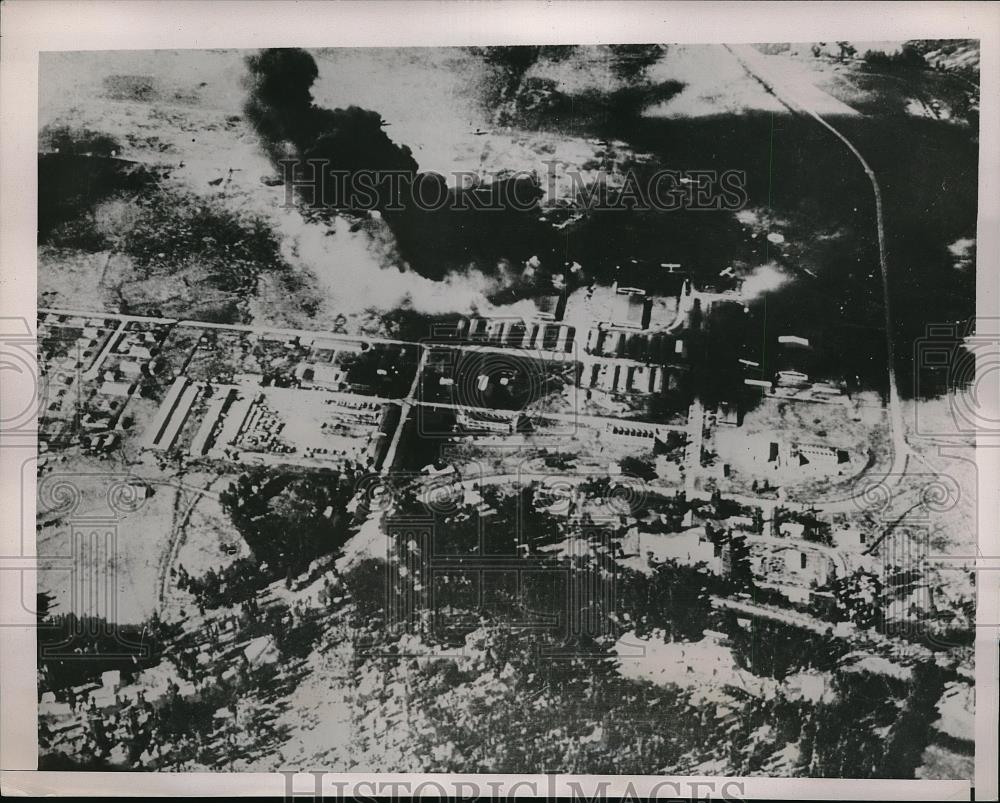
(290, 125)
(478, 227)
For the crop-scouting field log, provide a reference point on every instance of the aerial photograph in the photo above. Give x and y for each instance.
(578, 409)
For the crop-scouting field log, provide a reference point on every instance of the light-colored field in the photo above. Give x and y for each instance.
(76, 279)
(715, 84)
(926, 93)
(105, 532)
(745, 449)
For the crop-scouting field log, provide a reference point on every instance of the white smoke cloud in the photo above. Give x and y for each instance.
(358, 269)
(763, 279)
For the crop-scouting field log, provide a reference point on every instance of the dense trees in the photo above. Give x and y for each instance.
(908, 57)
(77, 649)
(874, 726)
(289, 520)
(859, 599)
(774, 649)
(77, 141)
(671, 598)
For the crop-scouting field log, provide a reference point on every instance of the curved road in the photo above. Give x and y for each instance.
(176, 538)
(753, 62)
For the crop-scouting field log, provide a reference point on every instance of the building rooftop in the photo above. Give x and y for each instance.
(631, 310)
(551, 307)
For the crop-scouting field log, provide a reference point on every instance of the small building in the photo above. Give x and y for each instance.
(117, 388)
(476, 327)
(792, 529)
(95, 420)
(607, 377)
(550, 307)
(792, 379)
(728, 414)
(613, 344)
(325, 375)
(564, 342)
(594, 338)
(631, 310)
(130, 369)
(515, 334)
(741, 523)
(326, 344)
(826, 390)
(819, 455)
(485, 422)
(809, 565)
(781, 454)
(276, 338)
(657, 380)
(639, 379)
(171, 415)
(850, 539)
(112, 679)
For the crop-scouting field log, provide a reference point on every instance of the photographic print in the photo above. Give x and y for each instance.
(601, 409)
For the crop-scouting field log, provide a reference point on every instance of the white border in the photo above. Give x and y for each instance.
(29, 27)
